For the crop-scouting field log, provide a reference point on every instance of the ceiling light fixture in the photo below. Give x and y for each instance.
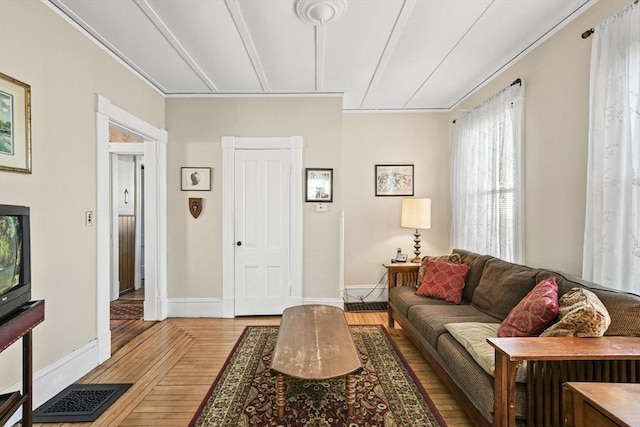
(320, 12)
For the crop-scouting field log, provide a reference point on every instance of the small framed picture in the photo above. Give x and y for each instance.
(15, 125)
(319, 187)
(195, 179)
(394, 180)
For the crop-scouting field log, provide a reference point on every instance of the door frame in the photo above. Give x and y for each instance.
(230, 144)
(154, 150)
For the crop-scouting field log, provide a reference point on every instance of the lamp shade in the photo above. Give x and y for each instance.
(416, 213)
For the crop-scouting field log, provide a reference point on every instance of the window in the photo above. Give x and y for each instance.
(611, 253)
(486, 190)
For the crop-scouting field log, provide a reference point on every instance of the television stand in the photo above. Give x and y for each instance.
(19, 325)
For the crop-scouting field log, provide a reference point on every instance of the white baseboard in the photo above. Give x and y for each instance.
(212, 307)
(194, 307)
(336, 302)
(368, 293)
(56, 377)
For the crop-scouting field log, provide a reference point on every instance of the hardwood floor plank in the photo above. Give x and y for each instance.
(173, 364)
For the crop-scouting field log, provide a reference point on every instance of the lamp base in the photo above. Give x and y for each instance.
(416, 240)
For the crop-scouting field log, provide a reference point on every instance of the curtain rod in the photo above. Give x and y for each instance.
(517, 81)
(590, 31)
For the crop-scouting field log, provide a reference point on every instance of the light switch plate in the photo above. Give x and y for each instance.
(321, 207)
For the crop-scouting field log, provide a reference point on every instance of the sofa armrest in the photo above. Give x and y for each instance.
(552, 361)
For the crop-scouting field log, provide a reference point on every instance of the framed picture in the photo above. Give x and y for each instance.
(15, 125)
(319, 186)
(196, 179)
(394, 180)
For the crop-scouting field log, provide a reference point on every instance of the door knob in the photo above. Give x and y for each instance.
(238, 243)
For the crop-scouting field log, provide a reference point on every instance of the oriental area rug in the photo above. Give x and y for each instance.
(126, 309)
(387, 391)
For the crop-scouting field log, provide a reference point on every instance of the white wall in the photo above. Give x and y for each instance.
(66, 71)
(195, 127)
(372, 224)
(556, 76)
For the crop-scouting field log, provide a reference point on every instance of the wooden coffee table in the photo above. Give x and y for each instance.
(314, 343)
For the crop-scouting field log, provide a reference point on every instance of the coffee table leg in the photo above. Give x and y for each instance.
(280, 394)
(351, 393)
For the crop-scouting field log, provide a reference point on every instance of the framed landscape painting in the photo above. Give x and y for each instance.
(394, 180)
(15, 125)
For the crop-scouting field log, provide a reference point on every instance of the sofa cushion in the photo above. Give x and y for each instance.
(623, 307)
(537, 310)
(473, 337)
(429, 320)
(502, 286)
(443, 280)
(475, 381)
(476, 265)
(581, 314)
(453, 258)
(402, 298)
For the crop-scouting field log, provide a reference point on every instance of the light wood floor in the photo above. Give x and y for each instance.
(173, 363)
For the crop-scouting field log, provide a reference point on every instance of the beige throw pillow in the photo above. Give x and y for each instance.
(581, 314)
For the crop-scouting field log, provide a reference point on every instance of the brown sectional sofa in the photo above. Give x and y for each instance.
(492, 288)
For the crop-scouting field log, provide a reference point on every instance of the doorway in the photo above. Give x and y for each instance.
(262, 254)
(289, 150)
(127, 289)
(153, 148)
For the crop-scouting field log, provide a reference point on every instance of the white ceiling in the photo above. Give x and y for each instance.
(382, 54)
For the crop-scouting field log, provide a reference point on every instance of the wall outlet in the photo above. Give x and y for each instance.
(88, 218)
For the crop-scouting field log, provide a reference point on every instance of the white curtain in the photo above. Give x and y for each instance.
(612, 223)
(487, 177)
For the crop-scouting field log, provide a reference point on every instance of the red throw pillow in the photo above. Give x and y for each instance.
(443, 280)
(534, 313)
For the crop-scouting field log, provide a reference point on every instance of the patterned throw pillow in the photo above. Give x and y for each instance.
(581, 314)
(443, 280)
(453, 258)
(534, 312)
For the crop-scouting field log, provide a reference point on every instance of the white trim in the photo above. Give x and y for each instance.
(154, 151)
(335, 302)
(398, 111)
(133, 148)
(257, 95)
(229, 145)
(195, 307)
(579, 11)
(49, 381)
(354, 293)
(55, 6)
(245, 35)
(174, 42)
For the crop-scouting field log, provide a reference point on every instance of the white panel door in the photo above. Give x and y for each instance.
(261, 206)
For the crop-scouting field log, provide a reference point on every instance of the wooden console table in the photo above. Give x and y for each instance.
(601, 404)
(511, 352)
(13, 328)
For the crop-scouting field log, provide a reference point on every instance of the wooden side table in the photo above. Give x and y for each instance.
(601, 404)
(12, 329)
(511, 352)
(400, 273)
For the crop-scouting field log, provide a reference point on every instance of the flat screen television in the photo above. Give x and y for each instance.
(15, 259)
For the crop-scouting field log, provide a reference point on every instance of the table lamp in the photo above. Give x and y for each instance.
(416, 214)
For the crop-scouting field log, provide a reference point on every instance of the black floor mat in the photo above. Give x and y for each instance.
(356, 307)
(79, 403)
